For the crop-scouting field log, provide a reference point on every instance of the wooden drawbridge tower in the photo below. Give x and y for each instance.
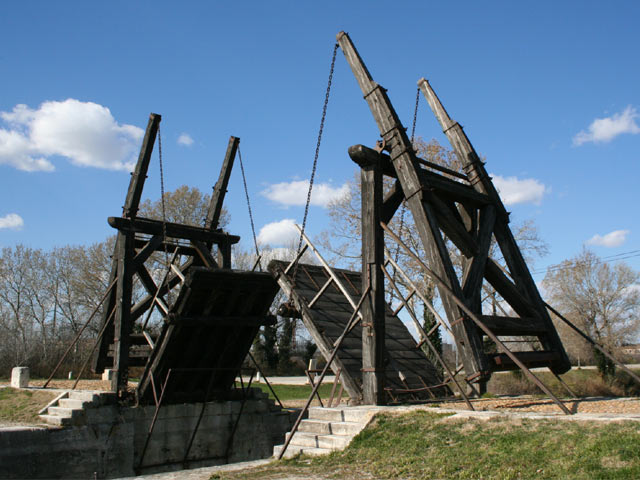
(207, 332)
(466, 209)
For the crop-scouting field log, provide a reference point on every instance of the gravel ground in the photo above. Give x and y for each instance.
(537, 404)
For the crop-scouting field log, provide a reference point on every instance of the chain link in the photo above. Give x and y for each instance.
(164, 211)
(246, 193)
(315, 161)
(404, 205)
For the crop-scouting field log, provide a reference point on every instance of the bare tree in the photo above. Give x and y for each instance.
(601, 299)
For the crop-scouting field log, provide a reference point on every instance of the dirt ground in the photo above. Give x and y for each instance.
(98, 385)
(546, 405)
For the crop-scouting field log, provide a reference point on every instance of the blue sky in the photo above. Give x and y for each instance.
(546, 91)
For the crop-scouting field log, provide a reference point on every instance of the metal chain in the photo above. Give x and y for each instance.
(415, 115)
(246, 193)
(164, 213)
(315, 161)
(404, 205)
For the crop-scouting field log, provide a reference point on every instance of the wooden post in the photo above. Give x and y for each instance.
(219, 191)
(373, 308)
(123, 323)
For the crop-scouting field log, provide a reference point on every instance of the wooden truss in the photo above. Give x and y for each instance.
(464, 208)
(190, 247)
(326, 299)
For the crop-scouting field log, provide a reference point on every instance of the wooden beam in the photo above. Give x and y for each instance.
(173, 230)
(204, 254)
(132, 201)
(474, 274)
(123, 323)
(514, 326)
(373, 308)
(232, 321)
(392, 200)
(219, 191)
(406, 166)
(148, 248)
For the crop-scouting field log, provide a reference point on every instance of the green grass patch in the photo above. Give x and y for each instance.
(422, 445)
(22, 406)
(297, 392)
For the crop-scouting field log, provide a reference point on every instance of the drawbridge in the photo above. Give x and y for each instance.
(210, 313)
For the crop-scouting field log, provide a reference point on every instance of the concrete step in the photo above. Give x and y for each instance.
(94, 398)
(331, 442)
(293, 450)
(346, 414)
(57, 421)
(73, 403)
(323, 427)
(66, 412)
(87, 397)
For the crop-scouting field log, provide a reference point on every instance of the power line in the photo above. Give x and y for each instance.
(607, 259)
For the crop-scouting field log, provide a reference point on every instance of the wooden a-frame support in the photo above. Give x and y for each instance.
(136, 241)
(466, 209)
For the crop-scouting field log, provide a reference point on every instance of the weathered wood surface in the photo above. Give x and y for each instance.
(173, 230)
(466, 209)
(211, 326)
(325, 326)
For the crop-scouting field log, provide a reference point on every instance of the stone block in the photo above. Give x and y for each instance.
(108, 374)
(20, 377)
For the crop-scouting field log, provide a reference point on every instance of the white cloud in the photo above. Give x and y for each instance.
(84, 132)
(605, 129)
(295, 193)
(280, 233)
(611, 239)
(12, 221)
(185, 139)
(513, 190)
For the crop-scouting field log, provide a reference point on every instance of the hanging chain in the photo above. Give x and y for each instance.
(415, 115)
(164, 211)
(404, 205)
(315, 161)
(246, 193)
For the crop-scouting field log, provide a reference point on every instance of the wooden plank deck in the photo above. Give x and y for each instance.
(406, 366)
(208, 334)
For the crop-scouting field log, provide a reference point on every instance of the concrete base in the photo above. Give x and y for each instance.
(108, 374)
(20, 377)
(111, 442)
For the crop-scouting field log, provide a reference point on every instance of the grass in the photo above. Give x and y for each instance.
(423, 445)
(22, 406)
(583, 382)
(298, 392)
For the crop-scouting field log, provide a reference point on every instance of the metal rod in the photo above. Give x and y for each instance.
(592, 342)
(204, 406)
(235, 426)
(476, 320)
(95, 345)
(265, 380)
(324, 372)
(425, 337)
(564, 384)
(427, 303)
(312, 384)
(153, 420)
(77, 337)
